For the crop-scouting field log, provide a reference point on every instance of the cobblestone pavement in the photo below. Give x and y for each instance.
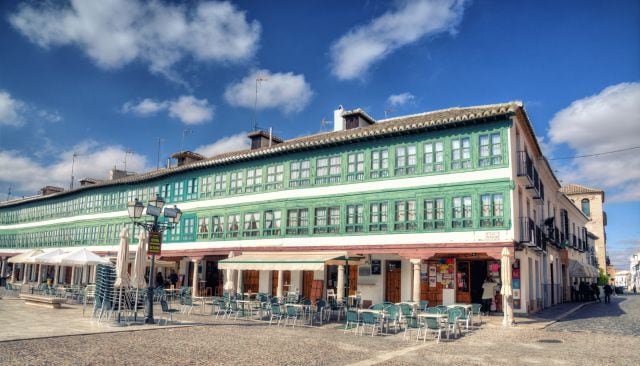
(621, 316)
(229, 342)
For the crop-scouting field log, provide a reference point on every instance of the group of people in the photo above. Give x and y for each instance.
(171, 280)
(585, 291)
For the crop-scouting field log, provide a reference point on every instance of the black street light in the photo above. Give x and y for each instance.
(154, 208)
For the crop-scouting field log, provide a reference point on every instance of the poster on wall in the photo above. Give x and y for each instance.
(439, 277)
(432, 281)
(432, 271)
(515, 283)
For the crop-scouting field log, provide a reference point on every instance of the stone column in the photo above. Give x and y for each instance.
(240, 288)
(280, 284)
(416, 280)
(38, 274)
(13, 272)
(56, 275)
(194, 290)
(3, 271)
(340, 286)
(25, 273)
(73, 275)
(85, 274)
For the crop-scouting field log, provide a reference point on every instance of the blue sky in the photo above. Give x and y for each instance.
(102, 79)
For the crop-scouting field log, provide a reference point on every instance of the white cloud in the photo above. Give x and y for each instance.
(10, 110)
(27, 175)
(285, 91)
(397, 100)
(186, 108)
(190, 110)
(354, 53)
(117, 32)
(607, 121)
(236, 142)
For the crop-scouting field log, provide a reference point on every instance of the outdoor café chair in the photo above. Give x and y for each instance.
(370, 319)
(393, 317)
(464, 318)
(166, 311)
(424, 304)
(452, 321)
(292, 314)
(476, 313)
(352, 317)
(433, 325)
(413, 323)
(276, 313)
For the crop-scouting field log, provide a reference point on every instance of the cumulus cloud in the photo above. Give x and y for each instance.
(605, 122)
(397, 100)
(186, 108)
(10, 110)
(117, 32)
(27, 175)
(285, 91)
(235, 142)
(354, 53)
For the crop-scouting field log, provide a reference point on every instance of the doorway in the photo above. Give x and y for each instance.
(392, 281)
(478, 274)
(286, 282)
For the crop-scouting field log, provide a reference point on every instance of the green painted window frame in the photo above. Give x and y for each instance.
(462, 212)
(206, 186)
(218, 226)
(354, 218)
(178, 191)
(326, 220)
(297, 221)
(220, 184)
(254, 180)
(236, 180)
(328, 170)
(491, 210)
(434, 214)
(191, 191)
(461, 156)
(406, 160)
(355, 166)
(300, 173)
(233, 225)
(490, 149)
(272, 223)
(203, 227)
(378, 216)
(405, 215)
(433, 157)
(275, 177)
(251, 224)
(379, 163)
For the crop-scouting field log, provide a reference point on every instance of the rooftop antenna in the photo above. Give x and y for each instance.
(388, 111)
(73, 163)
(160, 141)
(259, 79)
(9, 193)
(185, 132)
(323, 123)
(127, 152)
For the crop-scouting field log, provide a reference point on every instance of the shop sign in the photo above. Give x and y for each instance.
(155, 242)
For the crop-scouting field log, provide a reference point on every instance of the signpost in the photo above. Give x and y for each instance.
(155, 242)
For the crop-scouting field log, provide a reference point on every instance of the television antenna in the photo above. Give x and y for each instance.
(160, 142)
(388, 111)
(73, 163)
(323, 123)
(185, 132)
(127, 152)
(9, 192)
(259, 79)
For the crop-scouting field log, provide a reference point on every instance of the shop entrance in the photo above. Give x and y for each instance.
(392, 281)
(307, 284)
(478, 275)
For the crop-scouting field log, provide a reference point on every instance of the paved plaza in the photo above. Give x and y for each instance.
(602, 334)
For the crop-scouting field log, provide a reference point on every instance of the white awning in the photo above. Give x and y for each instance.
(280, 261)
(577, 269)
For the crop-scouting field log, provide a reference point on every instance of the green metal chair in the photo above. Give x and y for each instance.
(352, 317)
(393, 316)
(166, 311)
(452, 321)
(433, 325)
(476, 313)
(276, 313)
(292, 314)
(413, 323)
(369, 319)
(424, 304)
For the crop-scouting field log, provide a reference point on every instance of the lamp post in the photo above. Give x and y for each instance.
(154, 209)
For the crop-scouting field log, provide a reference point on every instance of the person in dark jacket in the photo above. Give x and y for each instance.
(596, 291)
(608, 290)
(159, 280)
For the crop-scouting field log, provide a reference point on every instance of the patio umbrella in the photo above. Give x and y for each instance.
(505, 289)
(21, 258)
(122, 261)
(49, 257)
(81, 257)
(140, 264)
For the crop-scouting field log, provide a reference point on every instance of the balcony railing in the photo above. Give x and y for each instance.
(528, 171)
(531, 235)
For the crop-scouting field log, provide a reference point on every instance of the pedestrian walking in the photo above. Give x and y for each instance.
(574, 291)
(608, 290)
(488, 294)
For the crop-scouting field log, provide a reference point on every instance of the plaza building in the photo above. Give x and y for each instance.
(634, 271)
(416, 207)
(591, 203)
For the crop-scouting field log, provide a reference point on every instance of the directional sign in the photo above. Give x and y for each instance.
(155, 242)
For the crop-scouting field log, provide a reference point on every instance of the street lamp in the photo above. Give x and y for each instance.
(155, 228)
